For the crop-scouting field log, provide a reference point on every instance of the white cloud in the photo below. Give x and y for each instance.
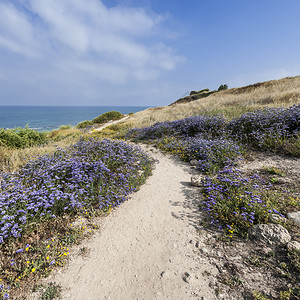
(81, 44)
(116, 35)
(16, 32)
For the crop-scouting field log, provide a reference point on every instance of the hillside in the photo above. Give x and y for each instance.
(231, 102)
(234, 172)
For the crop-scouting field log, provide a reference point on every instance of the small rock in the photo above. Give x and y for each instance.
(293, 245)
(196, 180)
(265, 250)
(212, 283)
(186, 277)
(294, 216)
(197, 244)
(194, 162)
(273, 234)
(204, 250)
(191, 241)
(219, 253)
(236, 258)
(163, 273)
(276, 218)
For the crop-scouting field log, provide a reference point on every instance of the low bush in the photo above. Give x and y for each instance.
(111, 115)
(269, 129)
(21, 138)
(65, 127)
(235, 202)
(84, 124)
(208, 126)
(63, 134)
(223, 87)
(211, 155)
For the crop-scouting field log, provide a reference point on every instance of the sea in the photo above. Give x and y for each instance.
(48, 118)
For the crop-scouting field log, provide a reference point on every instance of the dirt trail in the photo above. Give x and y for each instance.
(144, 249)
(108, 124)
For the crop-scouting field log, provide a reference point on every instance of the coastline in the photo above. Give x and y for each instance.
(48, 118)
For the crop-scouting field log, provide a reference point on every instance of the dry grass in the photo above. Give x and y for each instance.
(11, 160)
(231, 102)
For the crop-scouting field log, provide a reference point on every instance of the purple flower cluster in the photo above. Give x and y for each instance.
(211, 154)
(269, 128)
(4, 291)
(256, 127)
(193, 138)
(236, 202)
(188, 127)
(91, 173)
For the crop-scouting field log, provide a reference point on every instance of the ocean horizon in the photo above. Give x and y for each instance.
(48, 118)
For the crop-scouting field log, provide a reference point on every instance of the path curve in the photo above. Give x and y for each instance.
(109, 123)
(143, 249)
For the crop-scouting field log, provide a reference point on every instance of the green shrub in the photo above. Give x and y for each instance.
(223, 87)
(65, 127)
(84, 124)
(199, 92)
(21, 138)
(110, 115)
(204, 90)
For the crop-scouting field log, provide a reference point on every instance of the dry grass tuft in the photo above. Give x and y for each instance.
(11, 160)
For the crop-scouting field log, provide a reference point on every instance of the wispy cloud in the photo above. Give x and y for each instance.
(17, 34)
(84, 40)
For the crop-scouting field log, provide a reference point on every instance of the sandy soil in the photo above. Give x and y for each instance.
(145, 249)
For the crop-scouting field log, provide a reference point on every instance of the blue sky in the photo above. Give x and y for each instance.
(141, 52)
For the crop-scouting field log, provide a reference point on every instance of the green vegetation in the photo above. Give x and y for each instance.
(51, 291)
(21, 138)
(108, 116)
(65, 127)
(223, 87)
(274, 171)
(204, 90)
(259, 296)
(63, 134)
(84, 124)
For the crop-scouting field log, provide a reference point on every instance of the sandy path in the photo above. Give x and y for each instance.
(109, 123)
(143, 248)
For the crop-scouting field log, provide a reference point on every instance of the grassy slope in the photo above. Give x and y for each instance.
(231, 102)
